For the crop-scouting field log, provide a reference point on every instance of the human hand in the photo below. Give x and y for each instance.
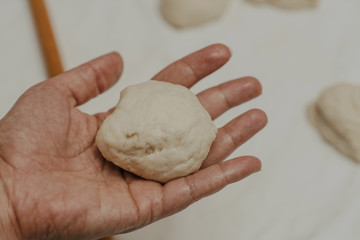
(54, 183)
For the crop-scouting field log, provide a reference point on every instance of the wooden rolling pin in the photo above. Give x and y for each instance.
(46, 37)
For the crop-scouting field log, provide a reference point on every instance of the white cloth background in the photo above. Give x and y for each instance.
(306, 189)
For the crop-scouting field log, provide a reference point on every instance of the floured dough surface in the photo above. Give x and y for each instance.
(158, 131)
(185, 13)
(336, 114)
(292, 4)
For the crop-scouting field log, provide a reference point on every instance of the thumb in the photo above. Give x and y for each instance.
(89, 79)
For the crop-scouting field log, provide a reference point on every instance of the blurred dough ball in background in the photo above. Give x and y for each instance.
(336, 114)
(186, 13)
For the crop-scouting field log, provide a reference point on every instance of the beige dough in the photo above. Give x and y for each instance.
(185, 13)
(294, 4)
(158, 131)
(336, 114)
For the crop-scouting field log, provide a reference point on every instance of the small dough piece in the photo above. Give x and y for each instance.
(158, 131)
(290, 4)
(186, 13)
(336, 114)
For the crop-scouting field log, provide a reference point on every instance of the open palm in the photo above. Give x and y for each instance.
(58, 185)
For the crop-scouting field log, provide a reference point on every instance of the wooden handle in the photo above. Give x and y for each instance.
(46, 37)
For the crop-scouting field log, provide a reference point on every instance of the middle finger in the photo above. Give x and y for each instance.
(219, 99)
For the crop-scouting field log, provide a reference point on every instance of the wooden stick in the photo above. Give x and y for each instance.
(46, 37)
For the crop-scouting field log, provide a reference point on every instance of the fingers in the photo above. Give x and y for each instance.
(190, 69)
(181, 192)
(234, 134)
(90, 79)
(219, 99)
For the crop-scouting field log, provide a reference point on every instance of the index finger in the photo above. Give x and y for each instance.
(192, 68)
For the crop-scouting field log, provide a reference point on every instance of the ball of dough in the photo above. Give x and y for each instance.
(185, 13)
(336, 114)
(158, 131)
(289, 3)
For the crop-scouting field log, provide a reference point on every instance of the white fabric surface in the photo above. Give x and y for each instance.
(306, 189)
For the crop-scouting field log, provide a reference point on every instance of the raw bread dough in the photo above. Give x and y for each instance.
(158, 131)
(289, 3)
(185, 13)
(336, 114)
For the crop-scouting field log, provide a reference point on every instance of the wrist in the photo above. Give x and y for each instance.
(8, 221)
